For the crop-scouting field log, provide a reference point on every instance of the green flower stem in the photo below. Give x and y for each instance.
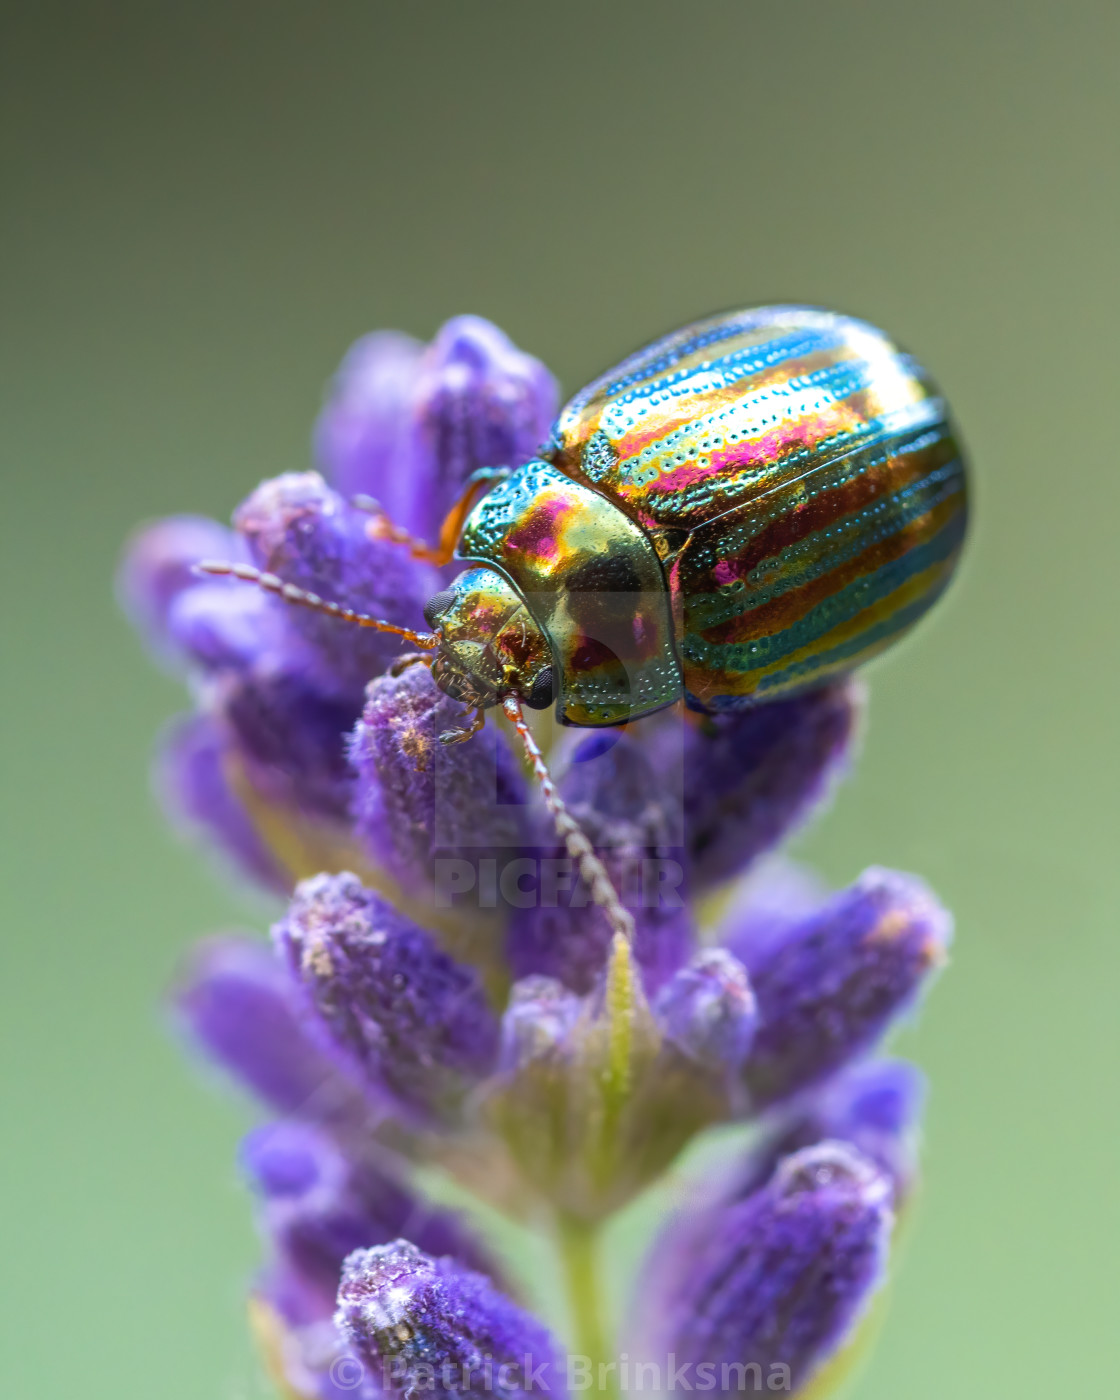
(579, 1252)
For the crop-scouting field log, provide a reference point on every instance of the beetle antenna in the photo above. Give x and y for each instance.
(571, 833)
(302, 598)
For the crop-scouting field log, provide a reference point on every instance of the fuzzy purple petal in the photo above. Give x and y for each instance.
(875, 1107)
(396, 1010)
(787, 1272)
(217, 625)
(158, 564)
(632, 817)
(192, 783)
(425, 1324)
(538, 1019)
(408, 424)
(235, 1000)
(750, 778)
(480, 402)
(829, 986)
(430, 811)
(707, 1009)
(291, 737)
(362, 436)
(297, 527)
(317, 1205)
(776, 894)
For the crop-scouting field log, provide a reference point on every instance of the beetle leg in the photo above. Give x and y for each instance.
(382, 528)
(460, 736)
(410, 658)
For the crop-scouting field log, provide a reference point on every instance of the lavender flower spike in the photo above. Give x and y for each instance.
(475, 1017)
(424, 1324)
(829, 986)
(395, 1010)
(785, 1276)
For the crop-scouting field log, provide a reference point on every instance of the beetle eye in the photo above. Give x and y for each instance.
(540, 697)
(434, 607)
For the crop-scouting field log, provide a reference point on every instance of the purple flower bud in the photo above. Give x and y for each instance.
(236, 1003)
(770, 899)
(829, 986)
(538, 1019)
(395, 1009)
(318, 1206)
(158, 564)
(480, 402)
(424, 1324)
(753, 776)
(632, 817)
(300, 529)
(408, 424)
(291, 738)
(289, 1159)
(433, 813)
(362, 435)
(874, 1107)
(785, 1274)
(885, 1096)
(217, 626)
(707, 1009)
(193, 785)
(592, 1101)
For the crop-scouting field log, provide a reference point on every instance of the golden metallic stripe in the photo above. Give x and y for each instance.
(707, 684)
(786, 611)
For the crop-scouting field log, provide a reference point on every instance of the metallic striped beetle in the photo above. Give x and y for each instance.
(740, 510)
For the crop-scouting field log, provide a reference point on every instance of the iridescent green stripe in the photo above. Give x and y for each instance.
(828, 549)
(873, 639)
(839, 658)
(742, 658)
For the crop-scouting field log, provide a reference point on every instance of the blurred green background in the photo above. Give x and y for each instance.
(204, 204)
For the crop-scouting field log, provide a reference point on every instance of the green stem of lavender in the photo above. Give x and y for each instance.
(579, 1252)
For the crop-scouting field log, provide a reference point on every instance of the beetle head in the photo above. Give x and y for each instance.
(489, 644)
